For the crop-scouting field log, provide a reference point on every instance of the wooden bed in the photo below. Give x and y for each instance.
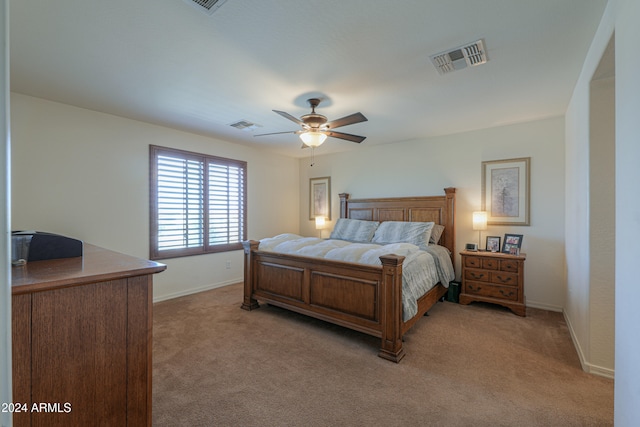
(366, 298)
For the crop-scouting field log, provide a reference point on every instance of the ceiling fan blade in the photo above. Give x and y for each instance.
(347, 120)
(290, 117)
(277, 133)
(347, 136)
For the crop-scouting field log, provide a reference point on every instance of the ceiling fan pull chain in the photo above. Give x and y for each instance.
(313, 162)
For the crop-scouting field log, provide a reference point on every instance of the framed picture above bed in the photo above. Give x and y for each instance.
(505, 191)
(320, 197)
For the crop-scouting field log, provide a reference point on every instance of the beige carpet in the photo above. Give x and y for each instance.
(478, 365)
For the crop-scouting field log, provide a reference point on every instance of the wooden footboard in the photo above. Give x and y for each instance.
(366, 298)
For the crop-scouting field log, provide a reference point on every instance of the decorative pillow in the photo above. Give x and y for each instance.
(436, 233)
(417, 233)
(354, 230)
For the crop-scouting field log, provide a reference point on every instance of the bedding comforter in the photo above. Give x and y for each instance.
(421, 270)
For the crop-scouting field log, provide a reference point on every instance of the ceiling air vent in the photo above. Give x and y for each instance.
(469, 55)
(206, 6)
(245, 125)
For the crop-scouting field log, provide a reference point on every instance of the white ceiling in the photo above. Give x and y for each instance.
(165, 62)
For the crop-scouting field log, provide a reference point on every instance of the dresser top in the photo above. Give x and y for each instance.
(95, 265)
(522, 256)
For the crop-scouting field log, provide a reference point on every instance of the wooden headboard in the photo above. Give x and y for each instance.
(439, 209)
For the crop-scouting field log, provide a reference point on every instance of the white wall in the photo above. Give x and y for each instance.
(85, 174)
(587, 331)
(621, 16)
(5, 218)
(426, 167)
(627, 377)
(602, 224)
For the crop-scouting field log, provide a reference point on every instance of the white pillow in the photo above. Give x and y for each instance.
(436, 233)
(354, 230)
(417, 233)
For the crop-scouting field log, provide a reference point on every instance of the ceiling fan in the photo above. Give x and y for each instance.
(316, 128)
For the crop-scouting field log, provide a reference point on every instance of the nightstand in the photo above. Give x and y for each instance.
(495, 278)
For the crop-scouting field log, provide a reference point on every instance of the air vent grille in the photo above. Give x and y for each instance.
(245, 125)
(206, 6)
(469, 55)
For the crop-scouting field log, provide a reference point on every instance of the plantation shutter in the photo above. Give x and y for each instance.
(180, 203)
(226, 203)
(197, 203)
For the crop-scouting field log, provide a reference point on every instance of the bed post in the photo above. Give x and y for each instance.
(450, 229)
(249, 303)
(391, 303)
(344, 197)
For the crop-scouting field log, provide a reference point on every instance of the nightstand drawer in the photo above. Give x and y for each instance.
(504, 278)
(490, 264)
(472, 262)
(490, 290)
(480, 275)
(509, 265)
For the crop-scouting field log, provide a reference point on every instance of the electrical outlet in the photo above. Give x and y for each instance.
(228, 265)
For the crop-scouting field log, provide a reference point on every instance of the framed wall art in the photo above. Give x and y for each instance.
(505, 191)
(320, 198)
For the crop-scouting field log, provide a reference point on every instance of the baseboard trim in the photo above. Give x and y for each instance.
(601, 371)
(586, 366)
(543, 306)
(576, 344)
(196, 290)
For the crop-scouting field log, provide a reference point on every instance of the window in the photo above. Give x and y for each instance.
(197, 203)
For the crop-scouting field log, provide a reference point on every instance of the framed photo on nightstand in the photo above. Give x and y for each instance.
(512, 244)
(493, 244)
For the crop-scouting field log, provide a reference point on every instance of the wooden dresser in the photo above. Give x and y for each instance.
(82, 340)
(493, 277)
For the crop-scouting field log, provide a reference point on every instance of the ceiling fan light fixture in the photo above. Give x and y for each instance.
(313, 139)
(316, 128)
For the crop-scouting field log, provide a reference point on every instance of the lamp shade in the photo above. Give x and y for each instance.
(479, 220)
(313, 139)
(320, 222)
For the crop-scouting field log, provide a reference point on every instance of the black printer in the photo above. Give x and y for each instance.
(29, 246)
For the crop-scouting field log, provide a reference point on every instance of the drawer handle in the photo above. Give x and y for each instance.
(474, 289)
(505, 280)
(506, 294)
(477, 276)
